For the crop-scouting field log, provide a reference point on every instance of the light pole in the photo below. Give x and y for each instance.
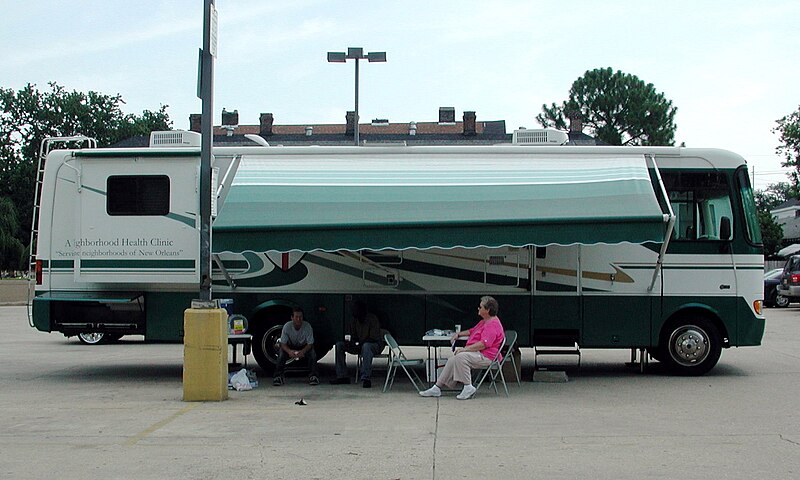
(356, 53)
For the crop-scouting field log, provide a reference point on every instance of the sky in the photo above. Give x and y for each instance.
(730, 67)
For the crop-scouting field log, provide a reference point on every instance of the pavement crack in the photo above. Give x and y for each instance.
(152, 428)
(788, 440)
(435, 437)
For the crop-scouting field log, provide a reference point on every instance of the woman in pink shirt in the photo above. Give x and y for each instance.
(483, 343)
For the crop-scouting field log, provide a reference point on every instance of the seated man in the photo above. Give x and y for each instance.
(365, 338)
(297, 341)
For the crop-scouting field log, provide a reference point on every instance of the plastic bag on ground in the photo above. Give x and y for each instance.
(239, 381)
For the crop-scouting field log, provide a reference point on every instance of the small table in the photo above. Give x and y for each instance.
(434, 342)
(243, 339)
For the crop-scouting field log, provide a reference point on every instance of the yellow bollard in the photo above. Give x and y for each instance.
(205, 355)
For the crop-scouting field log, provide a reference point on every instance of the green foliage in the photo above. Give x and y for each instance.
(773, 195)
(618, 108)
(28, 116)
(10, 247)
(771, 233)
(766, 200)
(789, 130)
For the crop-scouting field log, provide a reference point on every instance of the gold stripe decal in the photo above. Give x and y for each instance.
(617, 276)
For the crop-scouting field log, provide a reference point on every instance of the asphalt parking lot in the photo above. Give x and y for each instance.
(115, 411)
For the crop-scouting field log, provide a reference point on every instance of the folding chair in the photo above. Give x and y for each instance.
(398, 359)
(386, 355)
(495, 369)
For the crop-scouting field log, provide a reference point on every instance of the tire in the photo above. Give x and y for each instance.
(92, 338)
(266, 348)
(690, 346)
(781, 301)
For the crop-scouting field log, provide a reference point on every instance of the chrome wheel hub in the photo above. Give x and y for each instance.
(689, 345)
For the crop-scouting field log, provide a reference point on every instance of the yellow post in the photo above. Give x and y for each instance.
(205, 355)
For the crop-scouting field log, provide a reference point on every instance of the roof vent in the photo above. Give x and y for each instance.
(174, 138)
(546, 136)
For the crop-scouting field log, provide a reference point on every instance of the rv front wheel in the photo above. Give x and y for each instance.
(690, 346)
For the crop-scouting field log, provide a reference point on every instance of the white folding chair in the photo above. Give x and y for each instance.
(386, 355)
(495, 369)
(398, 359)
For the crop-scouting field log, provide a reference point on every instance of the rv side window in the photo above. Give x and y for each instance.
(137, 195)
(749, 207)
(702, 205)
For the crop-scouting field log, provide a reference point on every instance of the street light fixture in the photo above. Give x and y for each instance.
(356, 53)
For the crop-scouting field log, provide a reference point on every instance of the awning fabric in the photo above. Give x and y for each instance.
(398, 201)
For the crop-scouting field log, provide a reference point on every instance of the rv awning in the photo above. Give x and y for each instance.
(424, 201)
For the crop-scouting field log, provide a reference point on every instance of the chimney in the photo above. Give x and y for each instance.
(469, 124)
(230, 118)
(575, 122)
(265, 124)
(350, 128)
(447, 115)
(194, 122)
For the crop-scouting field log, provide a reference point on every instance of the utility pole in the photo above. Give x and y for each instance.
(207, 55)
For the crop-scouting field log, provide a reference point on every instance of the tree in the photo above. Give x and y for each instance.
(10, 247)
(789, 130)
(618, 108)
(766, 200)
(28, 116)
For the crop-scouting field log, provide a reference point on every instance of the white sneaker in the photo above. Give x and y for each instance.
(467, 392)
(434, 391)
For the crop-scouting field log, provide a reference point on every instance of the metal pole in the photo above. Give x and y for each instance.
(206, 135)
(356, 129)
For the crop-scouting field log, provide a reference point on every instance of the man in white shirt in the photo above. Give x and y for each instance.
(297, 342)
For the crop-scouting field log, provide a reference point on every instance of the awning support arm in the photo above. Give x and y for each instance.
(669, 218)
(228, 278)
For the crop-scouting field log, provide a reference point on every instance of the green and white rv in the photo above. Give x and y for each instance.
(650, 248)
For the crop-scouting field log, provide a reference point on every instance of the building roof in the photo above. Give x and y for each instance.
(792, 202)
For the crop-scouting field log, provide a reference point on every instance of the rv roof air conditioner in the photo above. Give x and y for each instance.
(546, 136)
(174, 138)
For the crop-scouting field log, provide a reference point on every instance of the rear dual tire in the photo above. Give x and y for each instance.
(97, 338)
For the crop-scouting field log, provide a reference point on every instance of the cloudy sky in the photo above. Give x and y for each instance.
(731, 67)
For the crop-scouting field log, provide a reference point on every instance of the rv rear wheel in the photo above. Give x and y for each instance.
(690, 345)
(92, 338)
(266, 347)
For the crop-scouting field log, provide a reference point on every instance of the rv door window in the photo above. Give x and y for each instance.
(137, 195)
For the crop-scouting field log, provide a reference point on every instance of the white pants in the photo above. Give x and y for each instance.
(459, 369)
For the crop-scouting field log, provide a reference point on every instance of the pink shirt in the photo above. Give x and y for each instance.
(490, 332)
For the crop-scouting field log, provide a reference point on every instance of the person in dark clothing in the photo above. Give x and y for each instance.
(365, 338)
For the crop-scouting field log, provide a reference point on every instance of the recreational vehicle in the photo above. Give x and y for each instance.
(656, 249)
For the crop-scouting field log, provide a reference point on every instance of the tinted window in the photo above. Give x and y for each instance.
(701, 203)
(749, 207)
(137, 195)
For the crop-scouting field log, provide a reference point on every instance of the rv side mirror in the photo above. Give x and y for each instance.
(725, 228)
